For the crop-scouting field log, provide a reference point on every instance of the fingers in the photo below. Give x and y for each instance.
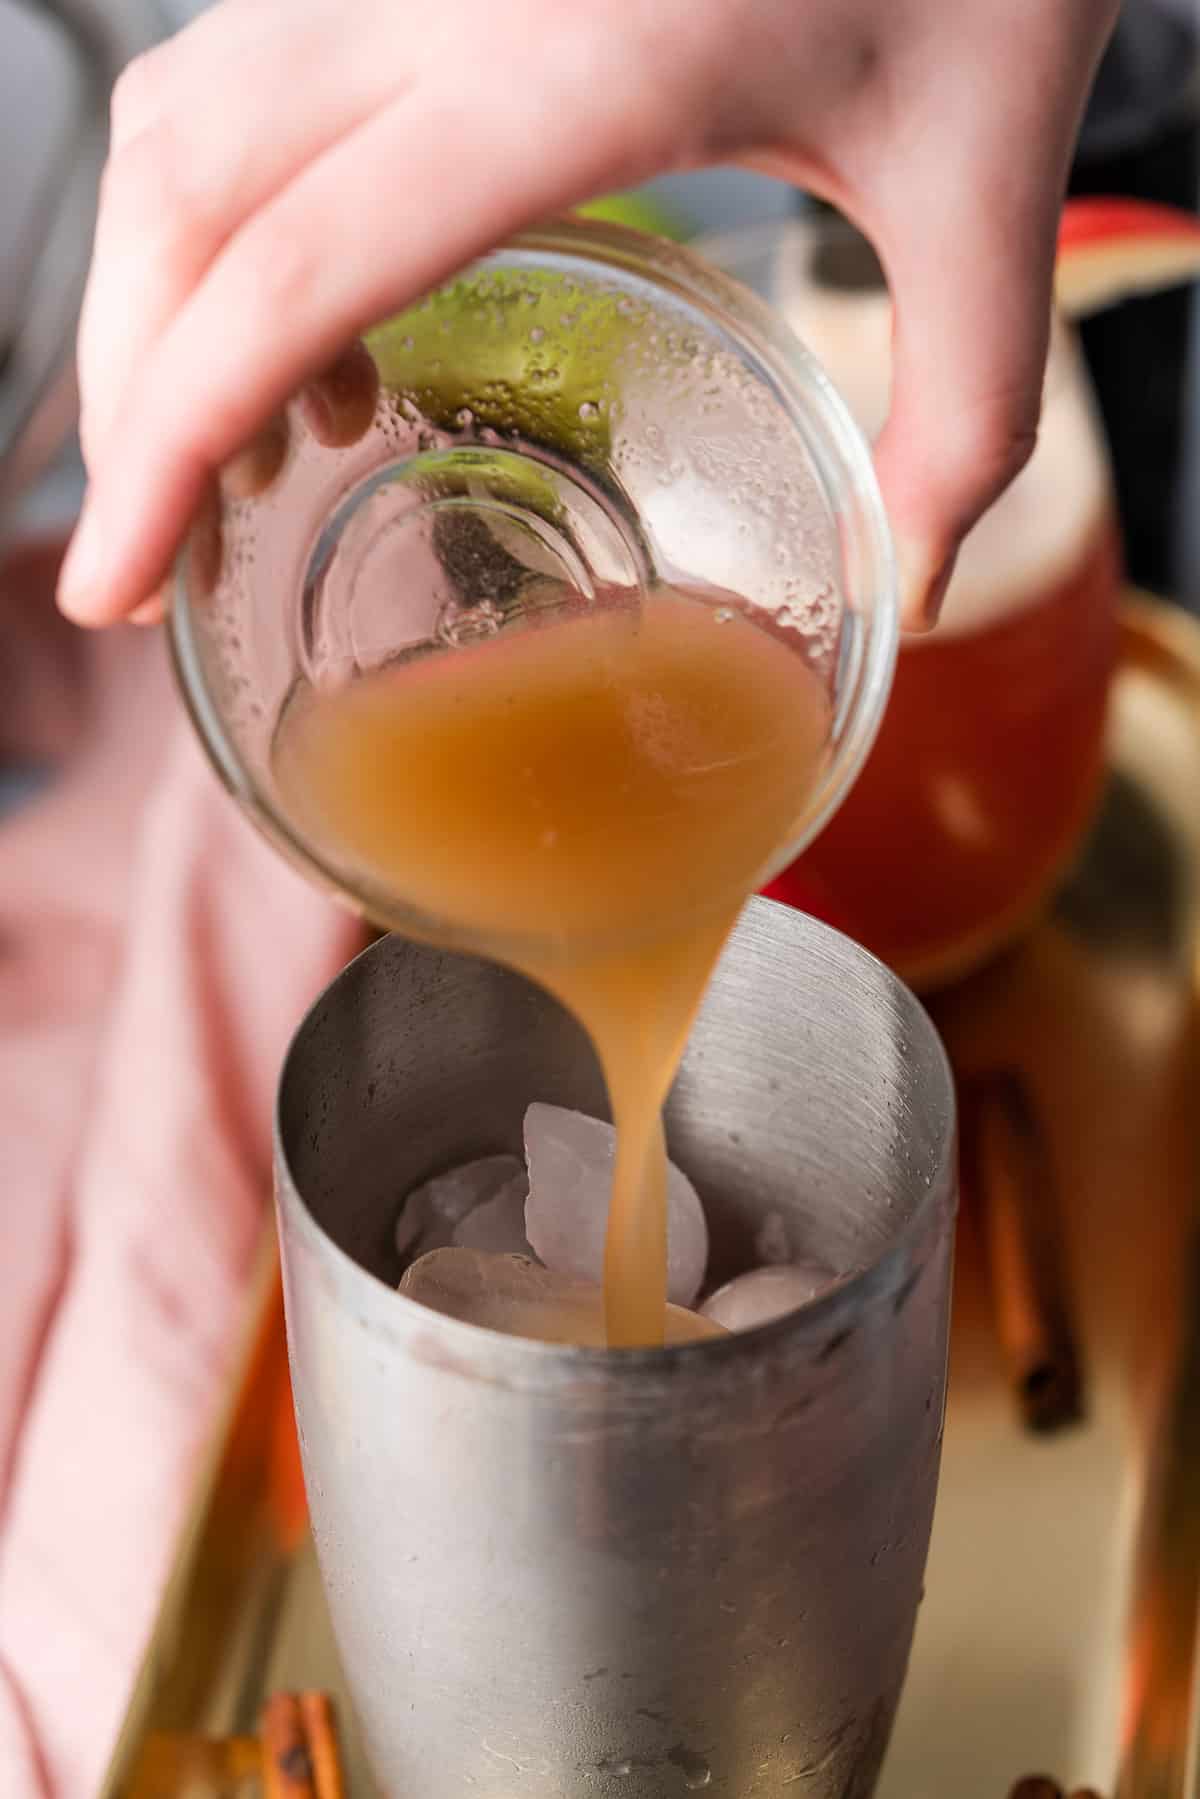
(277, 185)
(340, 246)
(971, 286)
(968, 224)
(339, 404)
(252, 469)
(176, 188)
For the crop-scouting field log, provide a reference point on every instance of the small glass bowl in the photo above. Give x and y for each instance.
(586, 407)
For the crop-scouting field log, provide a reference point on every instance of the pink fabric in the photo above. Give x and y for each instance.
(155, 956)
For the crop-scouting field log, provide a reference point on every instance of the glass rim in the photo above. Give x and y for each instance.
(863, 1286)
(844, 469)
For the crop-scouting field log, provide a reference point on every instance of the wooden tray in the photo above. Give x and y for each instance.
(1058, 1631)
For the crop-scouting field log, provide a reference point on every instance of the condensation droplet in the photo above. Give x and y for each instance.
(695, 1770)
(588, 409)
(459, 625)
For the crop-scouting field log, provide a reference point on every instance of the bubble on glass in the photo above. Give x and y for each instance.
(460, 625)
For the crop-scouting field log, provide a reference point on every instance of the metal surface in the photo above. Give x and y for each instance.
(1057, 1631)
(563, 1572)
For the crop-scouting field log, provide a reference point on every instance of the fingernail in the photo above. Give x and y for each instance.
(205, 545)
(254, 468)
(923, 578)
(339, 404)
(939, 587)
(150, 612)
(80, 571)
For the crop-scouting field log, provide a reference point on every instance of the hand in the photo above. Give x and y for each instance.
(283, 176)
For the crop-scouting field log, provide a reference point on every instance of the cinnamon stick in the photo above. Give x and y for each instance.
(301, 1756)
(320, 1727)
(1040, 1786)
(1006, 1166)
(287, 1764)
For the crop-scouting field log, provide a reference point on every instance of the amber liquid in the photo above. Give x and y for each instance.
(981, 782)
(590, 801)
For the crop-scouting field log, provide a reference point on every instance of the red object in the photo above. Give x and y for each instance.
(1110, 248)
(805, 892)
(1094, 219)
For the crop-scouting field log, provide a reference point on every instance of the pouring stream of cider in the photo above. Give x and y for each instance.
(591, 801)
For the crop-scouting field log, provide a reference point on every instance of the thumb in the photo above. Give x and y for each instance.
(971, 281)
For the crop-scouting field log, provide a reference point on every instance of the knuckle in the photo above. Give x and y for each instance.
(280, 272)
(138, 176)
(991, 446)
(1003, 445)
(221, 429)
(146, 193)
(137, 95)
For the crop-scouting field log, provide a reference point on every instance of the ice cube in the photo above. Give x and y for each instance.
(433, 1211)
(570, 1158)
(523, 1299)
(498, 1225)
(767, 1293)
